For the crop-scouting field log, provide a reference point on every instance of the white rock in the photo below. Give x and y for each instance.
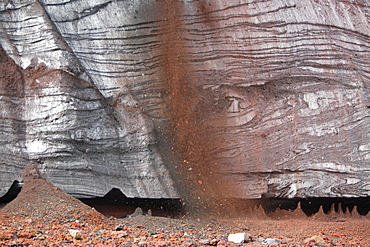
(271, 241)
(238, 238)
(76, 234)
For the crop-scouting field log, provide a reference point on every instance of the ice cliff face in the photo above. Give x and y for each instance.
(143, 96)
(64, 125)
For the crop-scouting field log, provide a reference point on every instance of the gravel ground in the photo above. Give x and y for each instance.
(43, 215)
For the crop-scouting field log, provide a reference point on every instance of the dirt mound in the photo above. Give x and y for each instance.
(42, 200)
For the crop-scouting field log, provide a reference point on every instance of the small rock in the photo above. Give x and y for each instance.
(29, 221)
(141, 239)
(205, 242)
(149, 213)
(271, 241)
(239, 238)
(190, 243)
(39, 236)
(76, 234)
(222, 242)
(285, 240)
(160, 244)
(119, 227)
(319, 239)
(309, 242)
(314, 240)
(119, 234)
(12, 243)
(260, 239)
(214, 241)
(143, 243)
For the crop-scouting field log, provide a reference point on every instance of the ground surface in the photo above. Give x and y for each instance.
(42, 215)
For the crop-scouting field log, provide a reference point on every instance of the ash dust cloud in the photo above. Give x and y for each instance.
(200, 182)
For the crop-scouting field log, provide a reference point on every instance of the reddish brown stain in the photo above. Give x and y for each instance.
(11, 77)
